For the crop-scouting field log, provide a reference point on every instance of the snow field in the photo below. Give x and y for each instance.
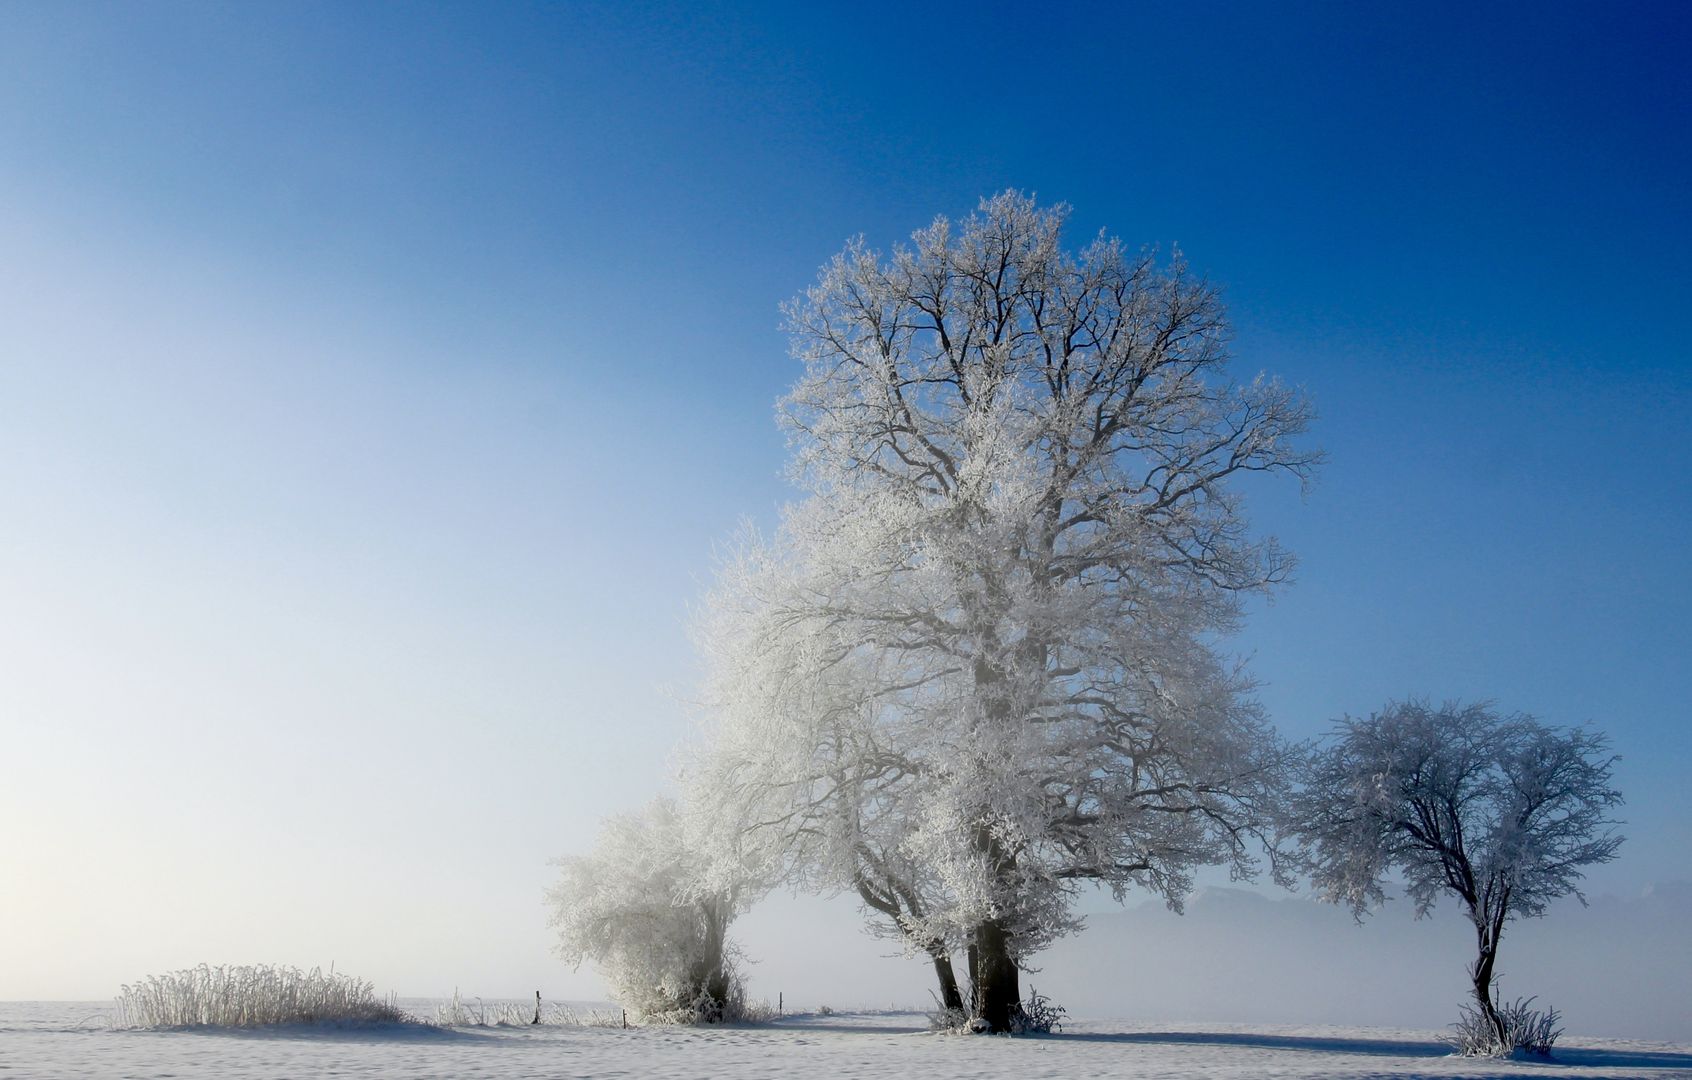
(844, 1046)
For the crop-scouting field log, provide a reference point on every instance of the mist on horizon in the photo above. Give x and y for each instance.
(1616, 967)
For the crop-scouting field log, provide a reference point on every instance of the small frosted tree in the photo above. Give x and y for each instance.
(638, 909)
(1500, 811)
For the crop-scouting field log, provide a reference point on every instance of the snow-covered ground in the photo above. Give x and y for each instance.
(44, 1041)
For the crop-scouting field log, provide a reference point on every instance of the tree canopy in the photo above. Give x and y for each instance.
(1498, 811)
(979, 662)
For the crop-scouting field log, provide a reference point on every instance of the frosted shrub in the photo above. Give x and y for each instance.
(457, 1013)
(1038, 1015)
(947, 1018)
(709, 1004)
(252, 996)
(637, 909)
(1526, 1029)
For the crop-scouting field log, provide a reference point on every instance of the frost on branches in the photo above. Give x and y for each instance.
(637, 909)
(978, 666)
(1500, 811)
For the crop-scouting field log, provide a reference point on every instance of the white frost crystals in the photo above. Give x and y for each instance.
(1500, 811)
(980, 664)
(977, 665)
(635, 908)
(255, 995)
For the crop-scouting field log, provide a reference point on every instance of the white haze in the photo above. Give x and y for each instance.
(1619, 967)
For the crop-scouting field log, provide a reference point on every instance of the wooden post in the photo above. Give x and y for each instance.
(780, 1008)
(537, 1007)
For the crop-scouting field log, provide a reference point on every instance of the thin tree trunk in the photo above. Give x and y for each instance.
(950, 997)
(712, 976)
(887, 900)
(1481, 975)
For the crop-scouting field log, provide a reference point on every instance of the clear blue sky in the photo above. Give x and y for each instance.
(375, 381)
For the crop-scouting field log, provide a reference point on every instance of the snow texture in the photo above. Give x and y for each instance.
(52, 1040)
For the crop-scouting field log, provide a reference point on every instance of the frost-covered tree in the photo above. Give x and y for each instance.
(639, 910)
(1497, 810)
(978, 664)
(798, 782)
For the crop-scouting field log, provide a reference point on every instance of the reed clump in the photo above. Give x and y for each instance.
(257, 995)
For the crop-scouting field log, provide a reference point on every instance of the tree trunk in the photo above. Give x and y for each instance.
(1481, 976)
(993, 970)
(887, 899)
(711, 975)
(950, 998)
(998, 989)
(717, 994)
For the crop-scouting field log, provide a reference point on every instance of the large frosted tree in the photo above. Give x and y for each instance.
(979, 663)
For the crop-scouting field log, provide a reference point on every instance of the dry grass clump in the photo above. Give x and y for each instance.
(258, 995)
(1527, 1031)
(461, 1013)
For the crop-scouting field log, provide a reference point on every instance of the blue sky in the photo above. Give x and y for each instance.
(375, 382)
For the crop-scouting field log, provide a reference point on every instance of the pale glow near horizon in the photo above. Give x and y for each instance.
(298, 668)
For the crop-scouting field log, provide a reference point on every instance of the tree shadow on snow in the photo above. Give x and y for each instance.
(356, 1033)
(848, 1022)
(1570, 1056)
(1307, 1043)
(1621, 1059)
